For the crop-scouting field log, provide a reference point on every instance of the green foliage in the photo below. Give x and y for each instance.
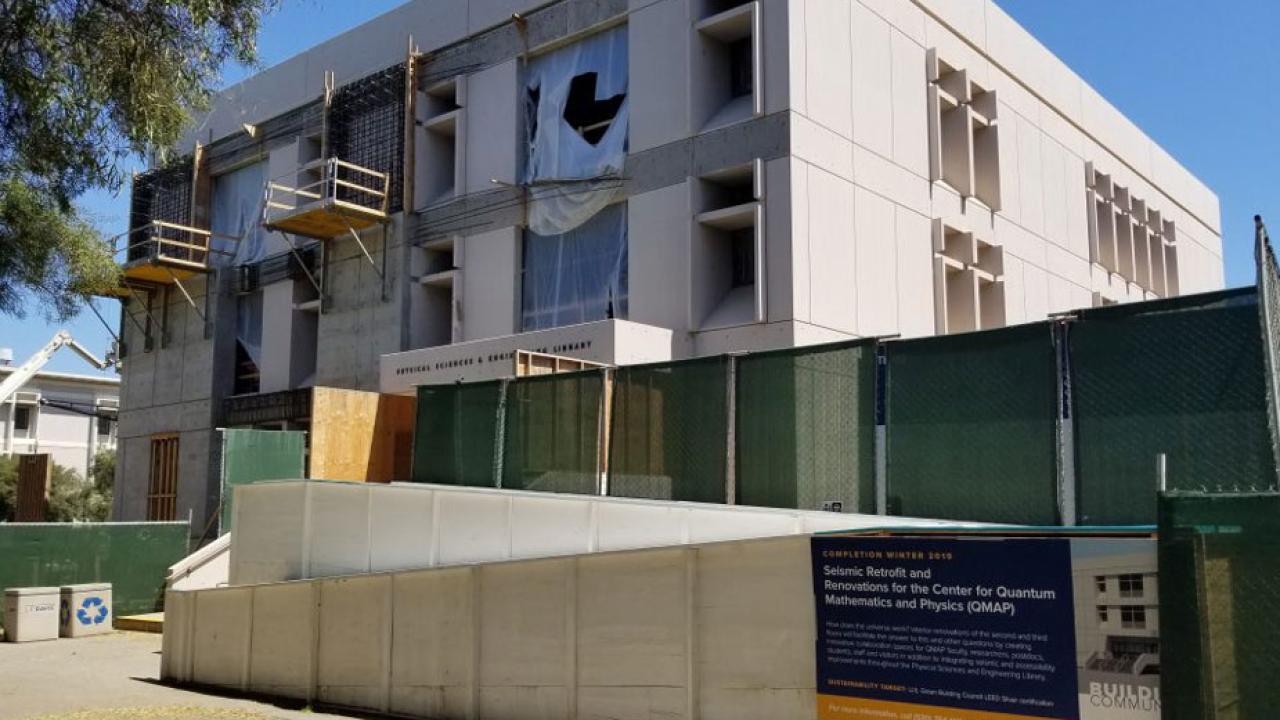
(71, 497)
(85, 86)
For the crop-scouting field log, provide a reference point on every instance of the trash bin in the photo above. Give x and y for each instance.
(31, 613)
(86, 609)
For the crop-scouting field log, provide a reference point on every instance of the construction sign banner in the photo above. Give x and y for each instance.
(984, 627)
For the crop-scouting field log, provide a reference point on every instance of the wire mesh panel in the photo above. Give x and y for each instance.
(1219, 605)
(455, 436)
(366, 128)
(1183, 377)
(164, 194)
(1269, 316)
(669, 431)
(552, 433)
(971, 426)
(806, 428)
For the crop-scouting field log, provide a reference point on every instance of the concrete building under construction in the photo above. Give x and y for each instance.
(421, 198)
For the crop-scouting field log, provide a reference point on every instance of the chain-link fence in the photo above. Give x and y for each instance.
(805, 428)
(552, 433)
(1219, 561)
(971, 426)
(1183, 378)
(1269, 315)
(669, 437)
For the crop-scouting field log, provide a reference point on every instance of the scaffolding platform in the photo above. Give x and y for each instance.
(346, 198)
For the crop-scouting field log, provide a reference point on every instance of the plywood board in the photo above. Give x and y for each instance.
(360, 436)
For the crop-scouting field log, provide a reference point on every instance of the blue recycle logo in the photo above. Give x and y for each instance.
(83, 614)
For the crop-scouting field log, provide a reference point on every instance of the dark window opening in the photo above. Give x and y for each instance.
(741, 68)
(22, 418)
(104, 427)
(588, 116)
(743, 249)
(246, 380)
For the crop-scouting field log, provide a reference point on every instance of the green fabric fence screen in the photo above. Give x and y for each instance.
(252, 455)
(552, 430)
(1219, 561)
(971, 426)
(669, 430)
(133, 557)
(455, 437)
(806, 427)
(1183, 377)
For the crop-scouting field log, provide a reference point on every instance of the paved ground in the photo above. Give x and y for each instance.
(113, 677)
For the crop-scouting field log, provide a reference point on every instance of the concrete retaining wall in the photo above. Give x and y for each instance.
(295, 530)
(711, 631)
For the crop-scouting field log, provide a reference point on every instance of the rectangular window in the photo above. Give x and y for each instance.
(1134, 617)
(577, 276)
(104, 427)
(162, 491)
(1100, 581)
(1102, 613)
(1131, 585)
(21, 418)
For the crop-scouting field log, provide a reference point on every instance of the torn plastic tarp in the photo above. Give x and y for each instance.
(559, 152)
(236, 210)
(577, 276)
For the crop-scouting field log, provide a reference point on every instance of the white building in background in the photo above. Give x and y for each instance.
(627, 181)
(58, 413)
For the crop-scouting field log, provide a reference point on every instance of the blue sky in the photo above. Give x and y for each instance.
(1197, 76)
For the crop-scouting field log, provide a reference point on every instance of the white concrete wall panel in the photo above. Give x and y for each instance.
(833, 257)
(491, 264)
(526, 646)
(658, 39)
(339, 528)
(354, 638)
(220, 637)
(910, 102)
(269, 532)
(658, 235)
(873, 75)
(493, 112)
(831, 88)
(876, 240)
(915, 273)
(433, 654)
(401, 523)
(280, 651)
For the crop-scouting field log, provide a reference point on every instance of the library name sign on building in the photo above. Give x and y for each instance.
(979, 626)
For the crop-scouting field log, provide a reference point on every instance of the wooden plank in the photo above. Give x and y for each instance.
(35, 473)
(360, 436)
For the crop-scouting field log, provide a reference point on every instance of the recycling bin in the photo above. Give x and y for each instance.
(86, 609)
(30, 613)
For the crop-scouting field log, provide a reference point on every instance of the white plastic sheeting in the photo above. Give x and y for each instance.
(558, 152)
(236, 210)
(298, 529)
(578, 276)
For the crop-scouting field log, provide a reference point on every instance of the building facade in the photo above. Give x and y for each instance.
(626, 181)
(67, 415)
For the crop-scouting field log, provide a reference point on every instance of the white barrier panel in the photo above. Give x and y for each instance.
(306, 529)
(721, 630)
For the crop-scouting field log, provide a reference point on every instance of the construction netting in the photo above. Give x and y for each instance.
(366, 128)
(133, 557)
(805, 428)
(669, 430)
(1219, 561)
(552, 433)
(971, 426)
(456, 436)
(1182, 377)
(163, 193)
(253, 455)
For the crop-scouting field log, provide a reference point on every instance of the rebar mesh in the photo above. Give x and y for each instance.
(971, 426)
(669, 434)
(1182, 377)
(806, 428)
(552, 433)
(164, 194)
(456, 434)
(366, 128)
(1219, 561)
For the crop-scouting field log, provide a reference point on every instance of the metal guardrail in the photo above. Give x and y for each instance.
(363, 188)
